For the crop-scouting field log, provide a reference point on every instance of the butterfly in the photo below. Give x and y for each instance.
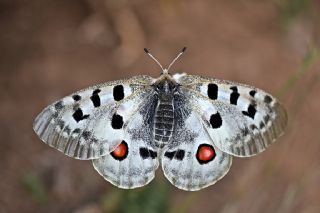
(190, 125)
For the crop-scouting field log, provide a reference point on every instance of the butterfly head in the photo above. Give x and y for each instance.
(165, 85)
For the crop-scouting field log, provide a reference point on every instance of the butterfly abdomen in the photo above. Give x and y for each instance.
(164, 122)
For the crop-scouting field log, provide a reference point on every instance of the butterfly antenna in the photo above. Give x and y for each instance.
(156, 60)
(178, 56)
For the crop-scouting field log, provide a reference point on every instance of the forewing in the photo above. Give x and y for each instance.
(89, 123)
(182, 160)
(136, 167)
(241, 120)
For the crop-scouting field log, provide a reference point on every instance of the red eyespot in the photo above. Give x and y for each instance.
(205, 153)
(121, 151)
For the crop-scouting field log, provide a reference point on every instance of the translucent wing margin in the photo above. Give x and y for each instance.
(240, 119)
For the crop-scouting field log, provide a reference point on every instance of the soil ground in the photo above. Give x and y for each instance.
(49, 49)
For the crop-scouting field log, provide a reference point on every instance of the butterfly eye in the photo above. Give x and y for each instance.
(205, 153)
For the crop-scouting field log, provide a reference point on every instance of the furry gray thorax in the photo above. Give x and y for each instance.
(164, 112)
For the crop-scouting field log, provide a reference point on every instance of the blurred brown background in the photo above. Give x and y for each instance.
(48, 49)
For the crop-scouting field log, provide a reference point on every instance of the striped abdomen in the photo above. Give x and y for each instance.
(164, 122)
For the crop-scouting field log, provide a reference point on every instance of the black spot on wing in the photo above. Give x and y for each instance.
(118, 92)
(212, 91)
(95, 98)
(216, 120)
(144, 153)
(76, 131)
(251, 111)
(252, 93)
(178, 155)
(117, 121)
(170, 155)
(78, 115)
(153, 154)
(147, 153)
(58, 106)
(267, 99)
(76, 97)
(96, 91)
(234, 96)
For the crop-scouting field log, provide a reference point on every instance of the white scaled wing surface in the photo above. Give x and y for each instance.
(240, 119)
(89, 123)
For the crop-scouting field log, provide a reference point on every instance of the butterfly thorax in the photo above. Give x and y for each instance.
(164, 112)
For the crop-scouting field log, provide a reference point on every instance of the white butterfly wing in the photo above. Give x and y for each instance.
(192, 161)
(136, 166)
(240, 119)
(89, 123)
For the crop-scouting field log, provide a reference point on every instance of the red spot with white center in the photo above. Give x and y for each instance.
(205, 153)
(121, 151)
